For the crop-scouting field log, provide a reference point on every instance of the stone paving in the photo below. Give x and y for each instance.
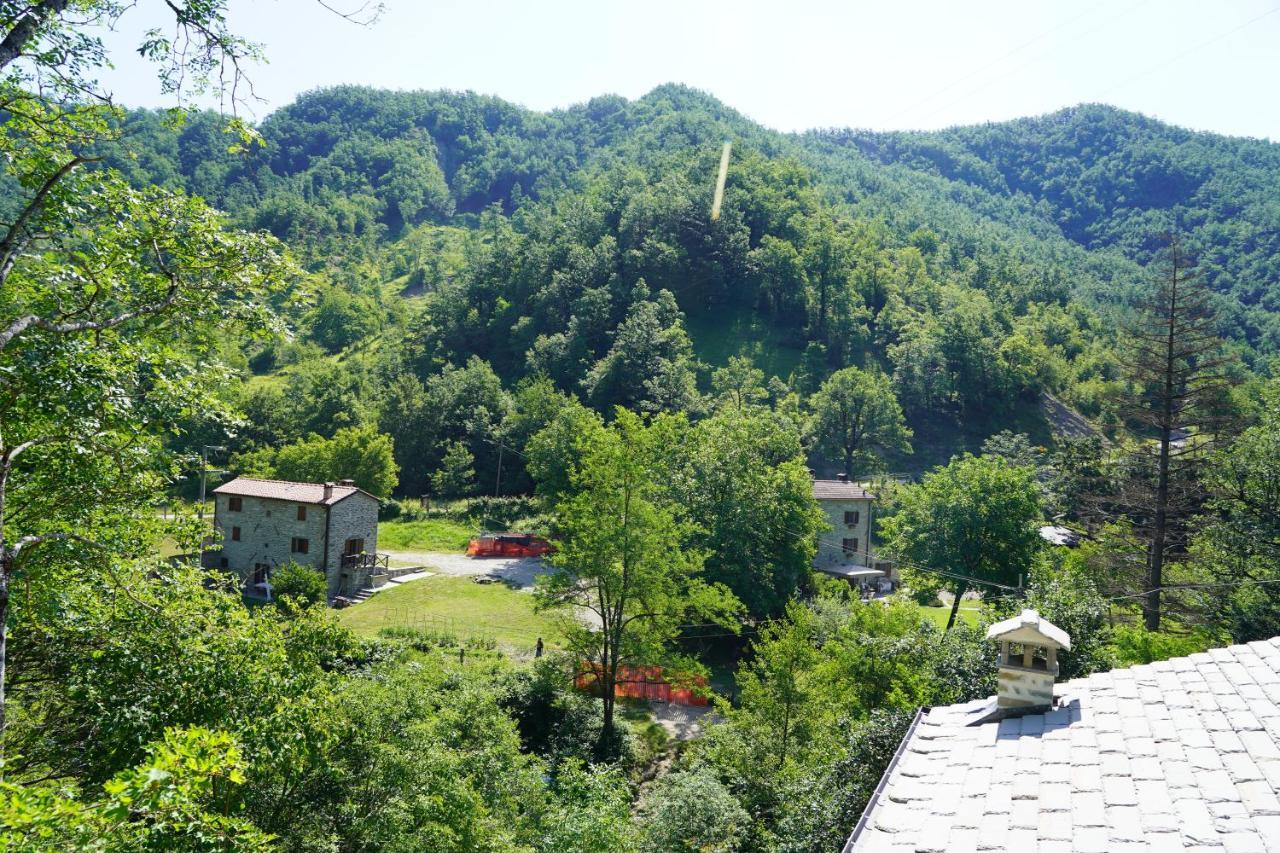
(1178, 755)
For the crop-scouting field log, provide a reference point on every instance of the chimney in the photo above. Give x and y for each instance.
(347, 483)
(328, 492)
(1028, 660)
(842, 477)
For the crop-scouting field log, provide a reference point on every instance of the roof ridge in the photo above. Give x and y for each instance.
(288, 482)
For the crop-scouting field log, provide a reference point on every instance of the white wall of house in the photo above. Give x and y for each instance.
(831, 547)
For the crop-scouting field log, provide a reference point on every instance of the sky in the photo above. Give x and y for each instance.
(889, 65)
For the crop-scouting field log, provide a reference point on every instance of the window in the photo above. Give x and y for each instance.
(850, 546)
(260, 572)
(353, 547)
(299, 545)
(302, 513)
(851, 517)
(235, 534)
(234, 503)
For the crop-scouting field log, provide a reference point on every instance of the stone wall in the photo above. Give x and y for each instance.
(267, 528)
(354, 517)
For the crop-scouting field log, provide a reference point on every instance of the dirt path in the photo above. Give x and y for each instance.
(520, 572)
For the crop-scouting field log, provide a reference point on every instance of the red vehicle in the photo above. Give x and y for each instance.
(508, 545)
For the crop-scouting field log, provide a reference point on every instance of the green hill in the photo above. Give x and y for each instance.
(978, 267)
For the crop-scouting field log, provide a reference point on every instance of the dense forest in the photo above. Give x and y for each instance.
(534, 320)
(450, 234)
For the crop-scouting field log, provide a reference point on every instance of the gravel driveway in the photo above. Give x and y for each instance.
(517, 571)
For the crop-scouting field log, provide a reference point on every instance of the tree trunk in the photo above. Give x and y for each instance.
(4, 651)
(1159, 532)
(955, 604)
(608, 683)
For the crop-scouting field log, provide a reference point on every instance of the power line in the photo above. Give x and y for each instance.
(1188, 52)
(1191, 586)
(974, 73)
(1033, 61)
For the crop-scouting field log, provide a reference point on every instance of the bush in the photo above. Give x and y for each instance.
(300, 584)
(693, 811)
(556, 721)
(1133, 645)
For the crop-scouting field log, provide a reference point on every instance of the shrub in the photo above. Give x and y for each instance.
(1133, 645)
(304, 585)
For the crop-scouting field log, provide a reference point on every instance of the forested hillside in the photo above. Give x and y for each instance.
(1113, 179)
(452, 234)
(535, 320)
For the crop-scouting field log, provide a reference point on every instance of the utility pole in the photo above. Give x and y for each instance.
(204, 472)
(497, 488)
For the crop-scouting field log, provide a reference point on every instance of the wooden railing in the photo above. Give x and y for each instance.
(365, 561)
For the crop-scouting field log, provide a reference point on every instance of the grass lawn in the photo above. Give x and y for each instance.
(457, 606)
(939, 615)
(429, 534)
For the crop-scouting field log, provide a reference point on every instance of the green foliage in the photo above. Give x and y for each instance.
(823, 804)
(1103, 178)
(591, 811)
(340, 320)
(1133, 645)
(692, 812)
(456, 476)
(740, 476)
(361, 454)
(185, 795)
(300, 585)
(797, 741)
(975, 518)
(1240, 539)
(622, 555)
(1063, 592)
(855, 415)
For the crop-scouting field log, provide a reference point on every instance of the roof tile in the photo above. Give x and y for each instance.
(1183, 754)
(286, 490)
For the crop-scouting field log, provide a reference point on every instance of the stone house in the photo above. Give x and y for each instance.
(847, 507)
(263, 524)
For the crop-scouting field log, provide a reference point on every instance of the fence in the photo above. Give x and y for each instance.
(647, 682)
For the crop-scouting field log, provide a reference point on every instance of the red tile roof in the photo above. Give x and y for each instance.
(284, 490)
(836, 490)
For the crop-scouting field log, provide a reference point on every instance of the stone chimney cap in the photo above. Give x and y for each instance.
(346, 482)
(1029, 628)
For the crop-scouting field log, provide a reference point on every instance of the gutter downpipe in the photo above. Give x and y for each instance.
(884, 781)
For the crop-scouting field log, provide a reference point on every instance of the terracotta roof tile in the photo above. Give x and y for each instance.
(284, 490)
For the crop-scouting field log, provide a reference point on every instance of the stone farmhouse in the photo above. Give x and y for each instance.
(263, 524)
(845, 550)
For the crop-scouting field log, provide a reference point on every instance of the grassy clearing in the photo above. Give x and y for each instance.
(456, 606)
(939, 615)
(429, 534)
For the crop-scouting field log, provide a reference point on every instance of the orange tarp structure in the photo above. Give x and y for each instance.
(508, 545)
(644, 682)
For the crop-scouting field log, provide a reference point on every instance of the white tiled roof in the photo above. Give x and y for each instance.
(1178, 755)
(285, 490)
(841, 491)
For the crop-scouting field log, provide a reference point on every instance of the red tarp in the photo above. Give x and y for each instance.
(645, 682)
(508, 545)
